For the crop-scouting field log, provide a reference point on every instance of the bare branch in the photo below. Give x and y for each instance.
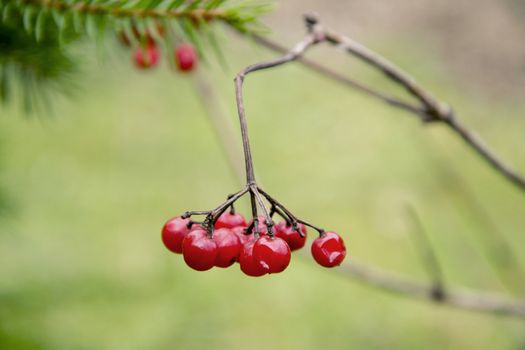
(463, 299)
(431, 110)
(332, 74)
(292, 55)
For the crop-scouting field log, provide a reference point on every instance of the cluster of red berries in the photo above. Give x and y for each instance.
(147, 54)
(232, 240)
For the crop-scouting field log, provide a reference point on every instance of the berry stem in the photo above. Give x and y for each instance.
(255, 219)
(294, 220)
(259, 199)
(195, 212)
(311, 39)
(280, 213)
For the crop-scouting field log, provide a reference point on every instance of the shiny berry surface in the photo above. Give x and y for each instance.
(329, 250)
(185, 57)
(248, 264)
(173, 233)
(292, 237)
(240, 232)
(229, 220)
(273, 254)
(146, 57)
(199, 251)
(261, 220)
(228, 247)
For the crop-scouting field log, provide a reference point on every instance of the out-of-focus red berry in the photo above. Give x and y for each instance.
(146, 57)
(185, 57)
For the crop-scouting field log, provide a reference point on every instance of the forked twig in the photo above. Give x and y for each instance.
(429, 109)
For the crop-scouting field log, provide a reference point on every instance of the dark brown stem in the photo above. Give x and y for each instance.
(297, 51)
(220, 121)
(294, 220)
(269, 221)
(255, 220)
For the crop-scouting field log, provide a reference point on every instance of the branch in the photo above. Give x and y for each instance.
(117, 10)
(296, 52)
(462, 299)
(429, 109)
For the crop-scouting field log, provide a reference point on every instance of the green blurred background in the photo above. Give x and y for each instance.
(87, 187)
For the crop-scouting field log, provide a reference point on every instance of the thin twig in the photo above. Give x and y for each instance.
(427, 253)
(463, 299)
(431, 109)
(297, 51)
(334, 75)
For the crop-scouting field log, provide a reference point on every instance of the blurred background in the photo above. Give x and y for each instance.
(86, 187)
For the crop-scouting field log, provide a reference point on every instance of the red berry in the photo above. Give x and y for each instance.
(261, 220)
(286, 231)
(174, 232)
(329, 249)
(241, 233)
(146, 57)
(272, 253)
(228, 247)
(199, 251)
(248, 264)
(185, 57)
(229, 220)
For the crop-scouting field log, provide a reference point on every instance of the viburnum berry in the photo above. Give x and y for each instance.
(230, 220)
(185, 57)
(228, 247)
(261, 223)
(286, 231)
(241, 233)
(272, 253)
(199, 251)
(146, 57)
(173, 233)
(247, 262)
(329, 249)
